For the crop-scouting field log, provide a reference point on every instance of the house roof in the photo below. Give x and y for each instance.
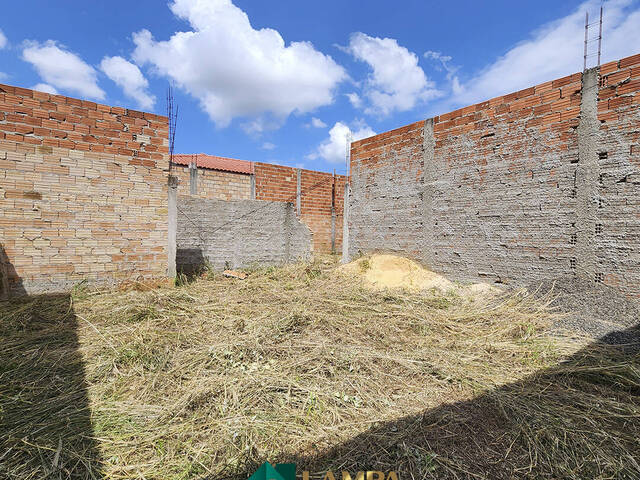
(214, 162)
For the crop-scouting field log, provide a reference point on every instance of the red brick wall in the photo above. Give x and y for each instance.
(214, 184)
(279, 183)
(83, 191)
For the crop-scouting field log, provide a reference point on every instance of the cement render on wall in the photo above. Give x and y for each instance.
(530, 186)
(238, 233)
(386, 199)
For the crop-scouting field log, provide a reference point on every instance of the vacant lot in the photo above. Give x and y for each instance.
(210, 379)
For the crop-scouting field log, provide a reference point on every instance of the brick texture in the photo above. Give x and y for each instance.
(617, 236)
(82, 191)
(215, 184)
(279, 183)
(500, 191)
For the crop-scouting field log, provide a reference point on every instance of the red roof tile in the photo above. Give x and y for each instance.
(214, 162)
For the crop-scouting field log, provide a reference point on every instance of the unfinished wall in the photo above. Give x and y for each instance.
(386, 208)
(537, 184)
(314, 204)
(214, 184)
(83, 191)
(238, 233)
(617, 227)
(501, 184)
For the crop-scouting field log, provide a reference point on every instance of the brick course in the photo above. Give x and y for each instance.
(215, 184)
(496, 191)
(83, 191)
(279, 183)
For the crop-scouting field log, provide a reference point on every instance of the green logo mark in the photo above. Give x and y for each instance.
(282, 471)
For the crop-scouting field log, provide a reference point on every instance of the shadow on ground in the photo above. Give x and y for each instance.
(45, 424)
(580, 419)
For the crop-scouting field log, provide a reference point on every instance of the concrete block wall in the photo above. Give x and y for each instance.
(83, 191)
(215, 184)
(238, 233)
(536, 184)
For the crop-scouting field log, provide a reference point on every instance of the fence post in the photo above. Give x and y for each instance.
(172, 207)
(345, 224)
(333, 213)
(298, 192)
(193, 178)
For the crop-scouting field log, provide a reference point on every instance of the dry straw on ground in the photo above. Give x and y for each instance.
(212, 378)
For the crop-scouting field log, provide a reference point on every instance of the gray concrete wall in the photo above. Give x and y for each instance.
(538, 184)
(238, 233)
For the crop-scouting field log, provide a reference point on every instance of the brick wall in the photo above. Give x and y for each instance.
(279, 183)
(536, 184)
(82, 193)
(215, 184)
(617, 242)
(387, 169)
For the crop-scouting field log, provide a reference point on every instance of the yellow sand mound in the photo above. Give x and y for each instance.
(390, 271)
(380, 271)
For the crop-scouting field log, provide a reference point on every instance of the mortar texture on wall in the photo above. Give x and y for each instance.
(83, 191)
(519, 188)
(386, 192)
(215, 184)
(617, 229)
(238, 233)
(279, 183)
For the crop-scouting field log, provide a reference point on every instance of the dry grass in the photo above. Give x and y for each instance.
(210, 379)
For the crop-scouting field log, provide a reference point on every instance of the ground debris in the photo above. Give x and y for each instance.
(235, 274)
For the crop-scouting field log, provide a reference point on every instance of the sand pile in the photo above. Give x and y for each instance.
(380, 271)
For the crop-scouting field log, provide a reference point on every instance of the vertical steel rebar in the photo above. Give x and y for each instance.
(586, 32)
(600, 35)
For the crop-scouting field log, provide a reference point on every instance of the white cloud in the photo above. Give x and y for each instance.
(355, 99)
(268, 146)
(62, 69)
(45, 87)
(235, 70)
(555, 50)
(444, 64)
(396, 83)
(316, 123)
(128, 77)
(3, 40)
(334, 148)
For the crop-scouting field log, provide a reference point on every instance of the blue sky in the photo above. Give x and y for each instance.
(283, 81)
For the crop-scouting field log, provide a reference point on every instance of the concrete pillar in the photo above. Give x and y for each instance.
(252, 179)
(172, 206)
(587, 178)
(298, 192)
(288, 221)
(428, 194)
(333, 214)
(193, 178)
(345, 225)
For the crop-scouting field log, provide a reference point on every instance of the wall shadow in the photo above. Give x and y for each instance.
(563, 422)
(190, 261)
(45, 420)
